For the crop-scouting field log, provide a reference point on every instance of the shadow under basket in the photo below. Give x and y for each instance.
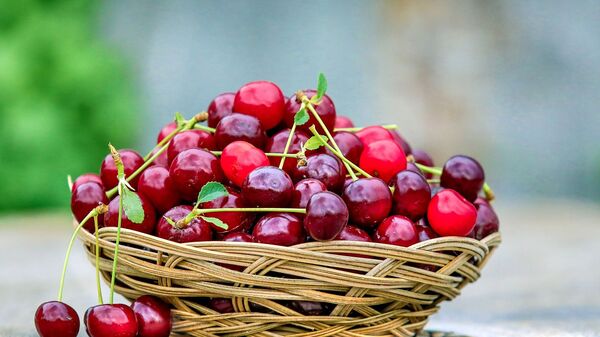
(368, 289)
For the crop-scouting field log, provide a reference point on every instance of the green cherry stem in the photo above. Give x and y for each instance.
(487, 190)
(118, 238)
(204, 128)
(341, 156)
(287, 145)
(98, 261)
(387, 126)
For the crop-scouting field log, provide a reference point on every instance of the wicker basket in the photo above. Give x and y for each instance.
(386, 291)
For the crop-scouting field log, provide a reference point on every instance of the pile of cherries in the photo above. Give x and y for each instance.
(357, 184)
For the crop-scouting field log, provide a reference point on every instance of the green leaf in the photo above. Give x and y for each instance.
(211, 191)
(179, 119)
(132, 205)
(314, 143)
(215, 221)
(321, 86)
(301, 116)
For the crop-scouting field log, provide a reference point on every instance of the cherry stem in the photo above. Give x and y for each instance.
(387, 126)
(433, 181)
(205, 128)
(98, 261)
(341, 156)
(118, 238)
(487, 190)
(287, 145)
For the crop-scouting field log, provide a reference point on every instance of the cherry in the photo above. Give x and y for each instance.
(56, 319)
(153, 316)
(111, 217)
(464, 175)
(349, 144)
(487, 220)
(111, 320)
(192, 169)
(425, 233)
(234, 220)
(326, 216)
(383, 159)
(450, 214)
(156, 185)
(165, 131)
(267, 186)
(221, 305)
(304, 189)
(369, 201)
(276, 144)
(85, 198)
(239, 127)
(414, 168)
(325, 168)
(325, 110)
(197, 230)
(131, 162)
(86, 178)
(263, 100)
(343, 122)
(423, 158)
(411, 194)
(353, 233)
(372, 134)
(220, 107)
(397, 230)
(280, 229)
(401, 142)
(190, 139)
(309, 308)
(239, 159)
(161, 160)
(238, 237)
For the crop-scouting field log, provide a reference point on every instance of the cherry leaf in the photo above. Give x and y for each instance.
(301, 116)
(211, 191)
(321, 86)
(132, 205)
(314, 143)
(215, 221)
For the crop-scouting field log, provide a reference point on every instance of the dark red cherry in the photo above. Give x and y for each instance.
(85, 198)
(153, 316)
(56, 319)
(234, 220)
(464, 175)
(238, 237)
(423, 158)
(239, 159)
(325, 168)
(401, 142)
(190, 139)
(414, 168)
(280, 229)
(221, 305)
(326, 216)
(131, 162)
(304, 189)
(220, 107)
(426, 233)
(397, 230)
(487, 220)
(372, 134)
(325, 110)
(353, 233)
(263, 100)
(383, 159)
(239, 127)
(192, 169)
(86, 178)
(369, 201)
(197, 230)
(411, 195)
(310, 308)
(165, 131)
(161, 160)
(350, 146)
(276, 144)
(267, 186)
(111, 217)
(343, 122)
(450, 214)
(111, 320)
(156, 185)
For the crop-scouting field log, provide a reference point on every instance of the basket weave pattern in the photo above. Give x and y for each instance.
(373, 289)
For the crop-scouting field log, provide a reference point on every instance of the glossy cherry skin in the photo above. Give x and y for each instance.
(239, 127)
(85, 198)
(450, 214)
(353, 233)
(397, 230)
(423, 158)
(401, 142)
(197, 230)
(372, 134)
(411, 195)
(220, 107)
(325, 110)
(161, 160)
(111, 320)
(326, 216)
(108, 171)
(414, 168)
(487, 220)
(86, 178)
(56, 319)
(263, 100)
(238, 237)
(165, 131)
(383, 159)
(153, 316)
(234, 220)
(464, 175)
(240, 158)
(343, 122)
(304, 189)
(190, 139)
(276, 144)
(192, 169)
(267, 186)
(349, 144)
(426, 233)
(221, 305)
(325, 168)
(111, 217)
(280, 229)
(156, 185)
(369, 201)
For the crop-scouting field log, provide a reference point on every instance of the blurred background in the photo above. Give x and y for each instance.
(514, 83)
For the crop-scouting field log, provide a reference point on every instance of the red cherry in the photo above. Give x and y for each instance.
(111, 320)
(221, 305)
(411, 194)
(161, 160)
(383, 159)
(85, 198)
(310, 308)
(401, 142)
(239, 127)
(325, 110)
(86, 178)
(234, 220)
(153, 316)
(304, 189)
(190, 139)
(220, 107)
(350, 145)
(487, 220)
(165, 131)
(414, 168)
(343, 122)
(267, 186)
(426, 233)
(111, 217)
(131, 162)
(464, 175)
(325, 168)
(397, 230)
(372, 134)
(263, 100)
(238, 237)
(369, 201)
(280, 229)
(423, 158)
(196, 230)
(353, 233)
(326, 216)
(56, 319)
(450, 214)
(192, 169)
(239, 159)
(276, 144)
(156, 185)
